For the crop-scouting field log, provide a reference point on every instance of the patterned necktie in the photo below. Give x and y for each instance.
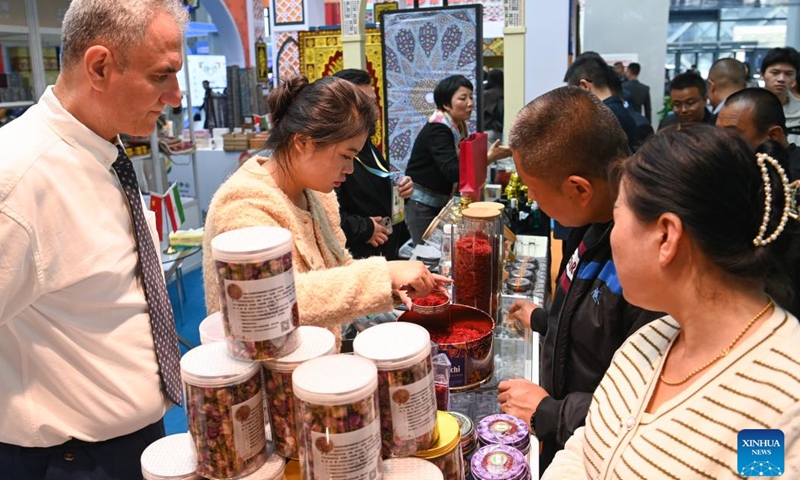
(155, 291)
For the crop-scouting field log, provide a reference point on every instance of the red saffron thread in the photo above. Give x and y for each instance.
(433, 299)
(473, 272)
(457, 334)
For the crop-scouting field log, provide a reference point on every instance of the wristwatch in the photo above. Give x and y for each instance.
(532, 423)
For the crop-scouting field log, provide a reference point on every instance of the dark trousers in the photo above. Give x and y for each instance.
(115, 459)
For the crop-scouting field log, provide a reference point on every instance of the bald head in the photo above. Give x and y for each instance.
(567, 131)
(726, 76)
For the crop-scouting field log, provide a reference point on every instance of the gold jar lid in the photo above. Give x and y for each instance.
(292, 471)
(449, 437)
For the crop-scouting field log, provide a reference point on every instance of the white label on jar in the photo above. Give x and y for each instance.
(348, 456)
(248, 427)
(413, 408)
(261, 309)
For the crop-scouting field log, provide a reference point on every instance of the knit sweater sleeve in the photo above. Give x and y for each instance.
(568, 463)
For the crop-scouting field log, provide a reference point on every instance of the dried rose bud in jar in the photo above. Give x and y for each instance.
(256, 291)
(314, 342)
(224, 411)
(406, 394)
(336, 398)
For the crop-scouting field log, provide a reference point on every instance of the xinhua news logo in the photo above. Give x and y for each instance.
(760, 453)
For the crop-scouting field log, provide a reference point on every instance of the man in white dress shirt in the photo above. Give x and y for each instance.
(80, 387)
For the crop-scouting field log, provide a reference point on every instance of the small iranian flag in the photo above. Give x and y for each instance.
(172, 199)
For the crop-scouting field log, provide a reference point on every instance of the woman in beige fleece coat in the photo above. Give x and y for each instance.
(318, 129)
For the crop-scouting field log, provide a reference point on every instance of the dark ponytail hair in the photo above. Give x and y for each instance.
(327, 111)
(709, 178)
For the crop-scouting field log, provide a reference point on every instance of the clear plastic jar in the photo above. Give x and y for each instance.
(502, 429)
(273, 469)
(256, 291)
(402, 353)
(211, 329)
(499, 462)
(337, 410)
(224, 411)
(170, 458)
(446, 451)
(410, 469)
(314, 342)
(476, 260)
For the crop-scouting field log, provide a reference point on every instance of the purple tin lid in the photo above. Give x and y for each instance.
(499, 462)
(502, 429)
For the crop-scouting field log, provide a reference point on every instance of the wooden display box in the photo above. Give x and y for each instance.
(236, 142)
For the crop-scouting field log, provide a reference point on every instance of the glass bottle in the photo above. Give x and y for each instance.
(476, 260)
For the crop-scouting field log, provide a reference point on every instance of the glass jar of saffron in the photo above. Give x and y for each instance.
(445, 453)
(476, 260)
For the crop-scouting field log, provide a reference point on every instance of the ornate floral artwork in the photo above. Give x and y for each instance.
(422, 47)
(288, 12)
(321, 55)
(288, 55)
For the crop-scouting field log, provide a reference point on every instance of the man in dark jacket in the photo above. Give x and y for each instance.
(639, 92)
(367, 199)
(689, 98)
(589, 318)
(590, 72)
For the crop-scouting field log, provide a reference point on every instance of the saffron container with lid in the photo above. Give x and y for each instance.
(410, 469)
(469, 438)
(224, 411)
(499, 462)
(314, 342)
(170, 458)
(518, 285)
(336, 398)
(522, 273)
(467, 342)
(445, 453)
(406, 396)
(211, 329)
(256, 291)
(502, 429)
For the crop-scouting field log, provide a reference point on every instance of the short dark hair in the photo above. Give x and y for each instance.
(767, 108)
(327, 111)
(567, 131)
(728, 73)
(494, 79)
(688, 80)
(447, 87)
(614, 82)
(590, 67)
(634, 68)
(781, 55)
(709, 178)
(354, 75)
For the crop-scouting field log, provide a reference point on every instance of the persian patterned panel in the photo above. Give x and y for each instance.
(493, 47)
(288, 12)
(288, 57)
(321, 55)
(350, 9)
(421, 48)
(513, 13)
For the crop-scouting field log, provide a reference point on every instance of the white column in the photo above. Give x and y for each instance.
(631, 26)
(546, 43)
(35, 45)
(353, 40)
(793, 25)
